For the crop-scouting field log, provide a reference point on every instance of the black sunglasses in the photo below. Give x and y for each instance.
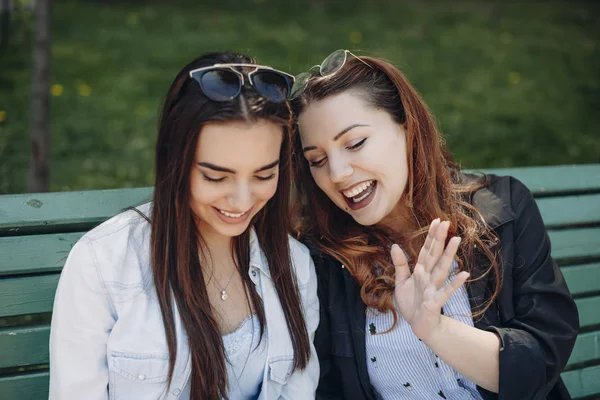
(222, 82)
(330, 65)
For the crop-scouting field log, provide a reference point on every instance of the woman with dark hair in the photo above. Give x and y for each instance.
(200, 294)
(396, 230)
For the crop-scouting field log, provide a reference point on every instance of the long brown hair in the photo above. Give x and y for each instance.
(176, 268)
(435, 189)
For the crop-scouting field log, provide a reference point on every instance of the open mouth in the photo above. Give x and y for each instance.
(360, 195)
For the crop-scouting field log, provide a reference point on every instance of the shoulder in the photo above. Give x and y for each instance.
(120, 229)
(499, 199)
(118, 247)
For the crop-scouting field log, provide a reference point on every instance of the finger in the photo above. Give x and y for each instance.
(428, 240)
(440, 272)
(437, 246)
(444, 294)
(401, 264)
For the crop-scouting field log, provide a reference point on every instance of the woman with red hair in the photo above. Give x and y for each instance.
(433, 283)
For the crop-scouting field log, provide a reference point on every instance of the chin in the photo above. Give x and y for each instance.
(231, 231)
(366, 220)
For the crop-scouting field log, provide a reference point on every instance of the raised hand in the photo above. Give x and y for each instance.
(421, 295)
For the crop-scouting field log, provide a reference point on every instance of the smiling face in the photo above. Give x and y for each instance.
(357, 156)
(234, 175)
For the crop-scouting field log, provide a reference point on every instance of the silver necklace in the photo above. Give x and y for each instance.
(224, 294)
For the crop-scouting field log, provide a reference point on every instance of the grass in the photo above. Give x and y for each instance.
(511, 84)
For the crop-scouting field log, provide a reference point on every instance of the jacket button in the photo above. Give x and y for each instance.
(141, 377)
(176, 392)
(254, 273)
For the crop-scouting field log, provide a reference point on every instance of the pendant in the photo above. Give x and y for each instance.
(223, 295)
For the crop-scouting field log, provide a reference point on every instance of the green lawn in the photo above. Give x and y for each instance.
(510, 84)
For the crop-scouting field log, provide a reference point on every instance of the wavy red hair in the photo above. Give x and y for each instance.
(435, 189)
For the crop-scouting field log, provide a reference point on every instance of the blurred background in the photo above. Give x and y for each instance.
(510, 83)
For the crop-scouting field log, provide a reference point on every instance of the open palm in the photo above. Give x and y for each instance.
(421, 294)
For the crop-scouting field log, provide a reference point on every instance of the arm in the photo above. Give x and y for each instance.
(537, 342)
(471, 351)
(81, 323)
(303, 383)
(420, 296)
(534, 345)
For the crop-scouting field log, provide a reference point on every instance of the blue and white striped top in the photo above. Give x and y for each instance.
(401, 366)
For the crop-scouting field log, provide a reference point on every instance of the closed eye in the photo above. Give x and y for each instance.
(208, 178)
(318, 163)
(357, 145)
(265, 178)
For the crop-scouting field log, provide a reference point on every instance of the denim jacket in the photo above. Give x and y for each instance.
(107, 339)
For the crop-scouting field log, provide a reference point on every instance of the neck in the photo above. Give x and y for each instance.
(216, 248)
(400, 221)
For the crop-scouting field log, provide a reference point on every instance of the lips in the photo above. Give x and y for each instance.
(360, 195)
(230, 217)
(359, 191)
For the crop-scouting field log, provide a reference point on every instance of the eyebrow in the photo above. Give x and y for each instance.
(223, 169)
(339, 135)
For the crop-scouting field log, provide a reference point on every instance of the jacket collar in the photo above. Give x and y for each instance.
(258, 259)
(493, 209)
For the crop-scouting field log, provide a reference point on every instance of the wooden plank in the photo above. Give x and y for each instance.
(582, 382)
(587, 348)
(574, 243)
(555, 179)
(27, 295)
(35, 253)
(47, 212)
(24, 346)
(589, 310)
(570, 210)
(583, 278)
(31, 386)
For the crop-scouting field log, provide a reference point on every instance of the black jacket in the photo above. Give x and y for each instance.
(534, 315)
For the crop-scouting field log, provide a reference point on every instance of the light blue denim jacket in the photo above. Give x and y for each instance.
(107, 339)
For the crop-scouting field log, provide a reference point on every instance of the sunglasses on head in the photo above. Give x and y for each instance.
(330, 65)
(223, 82)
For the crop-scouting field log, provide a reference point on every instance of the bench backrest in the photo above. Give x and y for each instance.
(37, 232)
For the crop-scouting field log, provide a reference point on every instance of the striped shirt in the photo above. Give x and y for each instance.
(402, 367)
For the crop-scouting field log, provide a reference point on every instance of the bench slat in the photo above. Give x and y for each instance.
(29, 346)
(570, 210)
(588, 310)
(31, 386)
(27, 295)
(49, 212)
(582, 278)
(587, 348)
(35, 294)
(555, 179)
(24, 346)
(575, 243)
(36, 253)
(582, 382)
(39, 211)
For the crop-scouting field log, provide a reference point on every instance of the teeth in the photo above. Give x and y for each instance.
(358, 189)
(364, 195)
(230, 214)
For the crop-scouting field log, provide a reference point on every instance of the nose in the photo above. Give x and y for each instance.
(241, 197)
(339, 168)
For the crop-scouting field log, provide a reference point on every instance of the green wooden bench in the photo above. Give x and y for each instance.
(38, 230)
